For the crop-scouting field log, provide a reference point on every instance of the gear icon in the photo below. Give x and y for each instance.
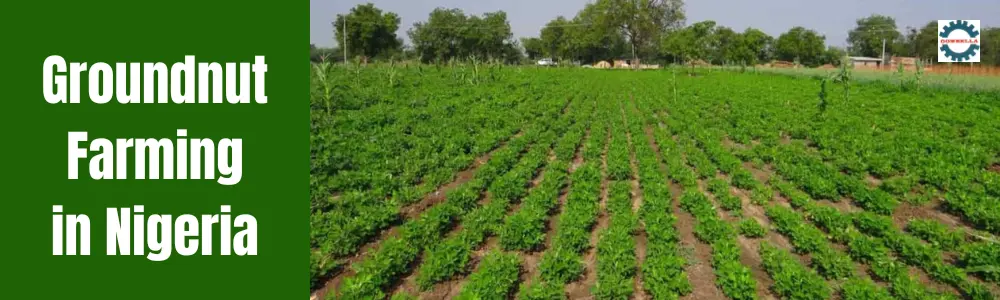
(963, 26)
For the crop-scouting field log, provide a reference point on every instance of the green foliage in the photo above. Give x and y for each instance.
(978, 208)
(663, 271)
(832, 264)
(805, 238)
(444, 260)
(376, 272)
(533, 47)
(761, 195)
(828, 218)
(541, 290)
(801, 45)
(750, 228)
(939, 235)
(732, 277)
(390, 146)
(863, 289)
(370, 32)
(616, 260)
(743, 179)
(866, 39)
(450, 34)
(872, 224)
(982, 258)
(560, 266)
(319, 266)
(494, 279)
(791, 279)
(867, 249)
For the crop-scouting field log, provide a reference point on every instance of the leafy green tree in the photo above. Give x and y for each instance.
(692, 43)
(449, 33)
(534, 48)
(918, 42)
(726, 46)
(702, 39)
(866, 38)
(678, 45)
(588, 40)
(555, 37)
(990, 40)
(641, 21)
(834, 55)
(925, 41)
(370, 32)
(801, 45)
(757, 46)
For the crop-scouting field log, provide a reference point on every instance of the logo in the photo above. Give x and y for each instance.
(958, 41)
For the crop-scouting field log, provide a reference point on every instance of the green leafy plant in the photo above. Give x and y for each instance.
(749, 227)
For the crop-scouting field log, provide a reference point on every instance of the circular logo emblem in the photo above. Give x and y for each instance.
(959, 41)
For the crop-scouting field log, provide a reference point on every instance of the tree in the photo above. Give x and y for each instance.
(990, 39)
(554, 37)
(588, 41)
(800, 45)
(757, 46)
(866, 38)
(370, 32)
(833, 55)
(703, 39)
(533, 47)
(441, 37)
(726, 45)
(641, 21)
(678, 45)
(449, 33)
(925, 41)
(689, 44)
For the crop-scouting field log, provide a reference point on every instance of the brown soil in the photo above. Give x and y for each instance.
(730, 144)
(906, 212)
(698, 254)
(873, 181)
(581, 289)
(758, 213)
(750, 257)
(749, 248)
(640, 257)
(994, 168)
(761, 175)
(844, 205)
(699, 268)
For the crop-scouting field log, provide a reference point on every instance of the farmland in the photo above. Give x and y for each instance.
(493, 182)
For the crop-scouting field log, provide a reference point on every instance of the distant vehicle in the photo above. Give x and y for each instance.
(546, 62)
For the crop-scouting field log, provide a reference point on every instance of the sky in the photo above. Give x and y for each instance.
(830, 18)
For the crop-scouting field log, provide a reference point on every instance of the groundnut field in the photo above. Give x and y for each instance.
(498, 182)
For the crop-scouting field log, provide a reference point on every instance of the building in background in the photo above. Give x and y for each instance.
(865, 62)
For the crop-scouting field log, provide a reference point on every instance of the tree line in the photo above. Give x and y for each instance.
(651, 30)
